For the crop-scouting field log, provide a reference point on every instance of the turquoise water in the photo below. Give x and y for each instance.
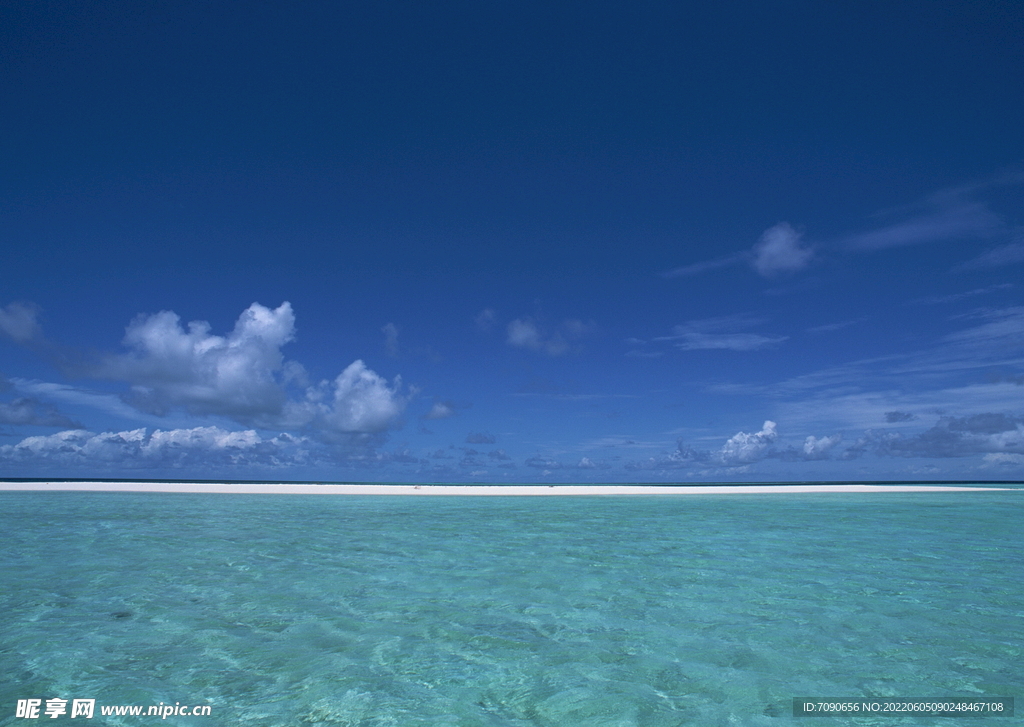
(657, 611)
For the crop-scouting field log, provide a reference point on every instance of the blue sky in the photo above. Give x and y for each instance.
(512, 242)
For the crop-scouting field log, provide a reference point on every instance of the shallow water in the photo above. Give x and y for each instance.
(319, 610)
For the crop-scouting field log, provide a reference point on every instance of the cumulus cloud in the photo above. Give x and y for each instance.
(243, 375)
(527, 333)
(498, 454)
(744, 447)
(480, 438)
(362, 401)
(31, 412)
(892, 417)
(19, 322)
(815, 448)
(779, 251)
(231, 375)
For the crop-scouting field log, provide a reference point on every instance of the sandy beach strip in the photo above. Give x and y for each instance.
(475, 490)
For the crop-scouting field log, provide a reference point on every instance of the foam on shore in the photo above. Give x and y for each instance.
(475, 490)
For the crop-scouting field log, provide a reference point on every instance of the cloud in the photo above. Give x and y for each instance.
(986, 433)
(1009, 254)
(233, 375)
(726, 341)
(779, 251)
(526, 333)
(480, 438)
(946, 215)
(243, 376)
(31, 412)
(892, 417)
(743, 448)
(390, 331)
(19, 322)
(829, 327)
(440, 410)
(739, 450)
(547, 463)
(953, 297)
(1006, 460)
(485, 319)
(498, 454)
(815, 448)
(1004, 332)
(720, 334)
(138, 449)
(362, 401)
(685, 271)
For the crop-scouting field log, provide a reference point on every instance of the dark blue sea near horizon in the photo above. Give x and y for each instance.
(654, 611)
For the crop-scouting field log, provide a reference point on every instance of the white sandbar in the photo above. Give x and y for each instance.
(490, 490)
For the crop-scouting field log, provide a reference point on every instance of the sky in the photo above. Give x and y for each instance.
(512, 241)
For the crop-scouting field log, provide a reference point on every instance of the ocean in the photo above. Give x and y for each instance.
(655, 611)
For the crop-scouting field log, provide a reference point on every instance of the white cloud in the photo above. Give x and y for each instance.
(233, 375)
(363, 401)
(440, 410)
(243, 375)
(743, 447)
(357, 401)
(779, 251)
(19, 322)
(815, 448)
